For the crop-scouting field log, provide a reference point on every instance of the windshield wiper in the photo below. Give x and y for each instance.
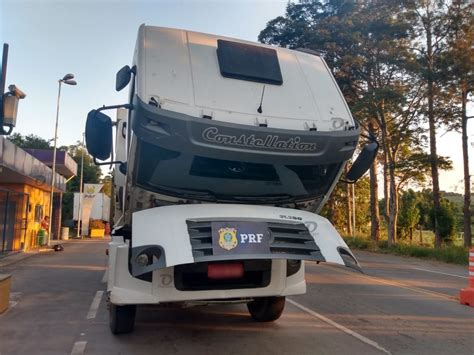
(269, 198)
(188, 193)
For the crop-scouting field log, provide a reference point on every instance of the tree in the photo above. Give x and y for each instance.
(446, 214)
(432, 30)
(368, 50)
(414, 166)
(91, 175)
(447, 220)
(336, 207)
(460, 77)
(374, 197)
(30, 141)
(108, 184)
(409, 214)
(362, 201)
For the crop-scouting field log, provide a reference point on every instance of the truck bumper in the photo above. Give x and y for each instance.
(125, 289)
(180, 237)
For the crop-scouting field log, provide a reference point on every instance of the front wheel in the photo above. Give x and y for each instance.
(122, 318)
(266, 309)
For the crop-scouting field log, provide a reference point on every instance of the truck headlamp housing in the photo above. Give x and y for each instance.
(143, 260)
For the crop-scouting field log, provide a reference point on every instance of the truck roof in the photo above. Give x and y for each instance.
(236, 81)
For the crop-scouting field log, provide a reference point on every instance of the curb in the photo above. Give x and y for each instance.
(22, 255)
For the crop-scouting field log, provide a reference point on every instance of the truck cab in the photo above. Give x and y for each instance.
(226, 152)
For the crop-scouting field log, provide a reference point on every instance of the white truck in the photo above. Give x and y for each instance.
(225, 152)
(100, 208)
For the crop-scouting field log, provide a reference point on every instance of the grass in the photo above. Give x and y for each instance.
(449, 254)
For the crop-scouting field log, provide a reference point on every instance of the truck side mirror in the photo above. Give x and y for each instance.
(363, 162)
(123, 78)
(99, 135)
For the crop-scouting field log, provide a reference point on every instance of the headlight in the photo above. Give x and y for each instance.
(142, 260)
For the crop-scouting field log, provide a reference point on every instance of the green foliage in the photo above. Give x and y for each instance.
(449, 254)
(447, 220)
(448, 223)
(336, 208)
(30, 141)
(395, 72)
(409, 214)
(417, 211)
(414, 166)
(108, 185)
(91, 175)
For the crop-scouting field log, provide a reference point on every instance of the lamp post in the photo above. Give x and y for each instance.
(67, 79)
(79, 216)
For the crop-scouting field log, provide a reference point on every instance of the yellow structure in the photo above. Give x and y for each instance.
(97, 233)
(25, 193)
(32, 204)
(5, 284)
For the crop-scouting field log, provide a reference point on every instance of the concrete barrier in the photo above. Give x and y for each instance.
(65, 233)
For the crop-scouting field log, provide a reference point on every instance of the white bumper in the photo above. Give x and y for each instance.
(167, 228)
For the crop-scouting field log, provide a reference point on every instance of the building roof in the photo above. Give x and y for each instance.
(19, 167)
(65, 165)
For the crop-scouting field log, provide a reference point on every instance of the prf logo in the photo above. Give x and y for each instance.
(240, 238)
(228, 238)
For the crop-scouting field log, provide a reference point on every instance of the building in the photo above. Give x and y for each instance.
(25, 191)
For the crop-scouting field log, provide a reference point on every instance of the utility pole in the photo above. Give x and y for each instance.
(79, 216)
(67, 79)
(353, 211)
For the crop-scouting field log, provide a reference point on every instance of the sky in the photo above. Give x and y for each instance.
(94, 39)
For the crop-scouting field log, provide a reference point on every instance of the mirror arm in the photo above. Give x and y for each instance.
(127, 106)
(108, 162)
(371, 138)
(347, 181)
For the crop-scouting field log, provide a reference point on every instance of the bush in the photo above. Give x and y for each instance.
(96, 224)
(358, 243)
(449, 254)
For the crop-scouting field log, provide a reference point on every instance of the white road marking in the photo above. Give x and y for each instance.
(340, 327)
(13, 301)
(396, 284)
(104, 278)
(79, 348)
(95, 305)
(439, 272)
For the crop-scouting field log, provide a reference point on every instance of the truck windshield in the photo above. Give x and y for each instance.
(173, 173)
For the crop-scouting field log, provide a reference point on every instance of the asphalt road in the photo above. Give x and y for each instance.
(399, 306)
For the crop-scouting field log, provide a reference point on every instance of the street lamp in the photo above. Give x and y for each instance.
(67, 79)
(79, 216)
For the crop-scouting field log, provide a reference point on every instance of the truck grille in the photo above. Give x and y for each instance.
(200, 234)
(287, 241)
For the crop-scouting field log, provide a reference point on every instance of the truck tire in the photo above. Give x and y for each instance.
(266, 309)
(122, 318)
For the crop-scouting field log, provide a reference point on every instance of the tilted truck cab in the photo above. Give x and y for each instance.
(225, 152)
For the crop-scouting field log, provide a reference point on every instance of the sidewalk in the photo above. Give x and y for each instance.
(16, 256)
